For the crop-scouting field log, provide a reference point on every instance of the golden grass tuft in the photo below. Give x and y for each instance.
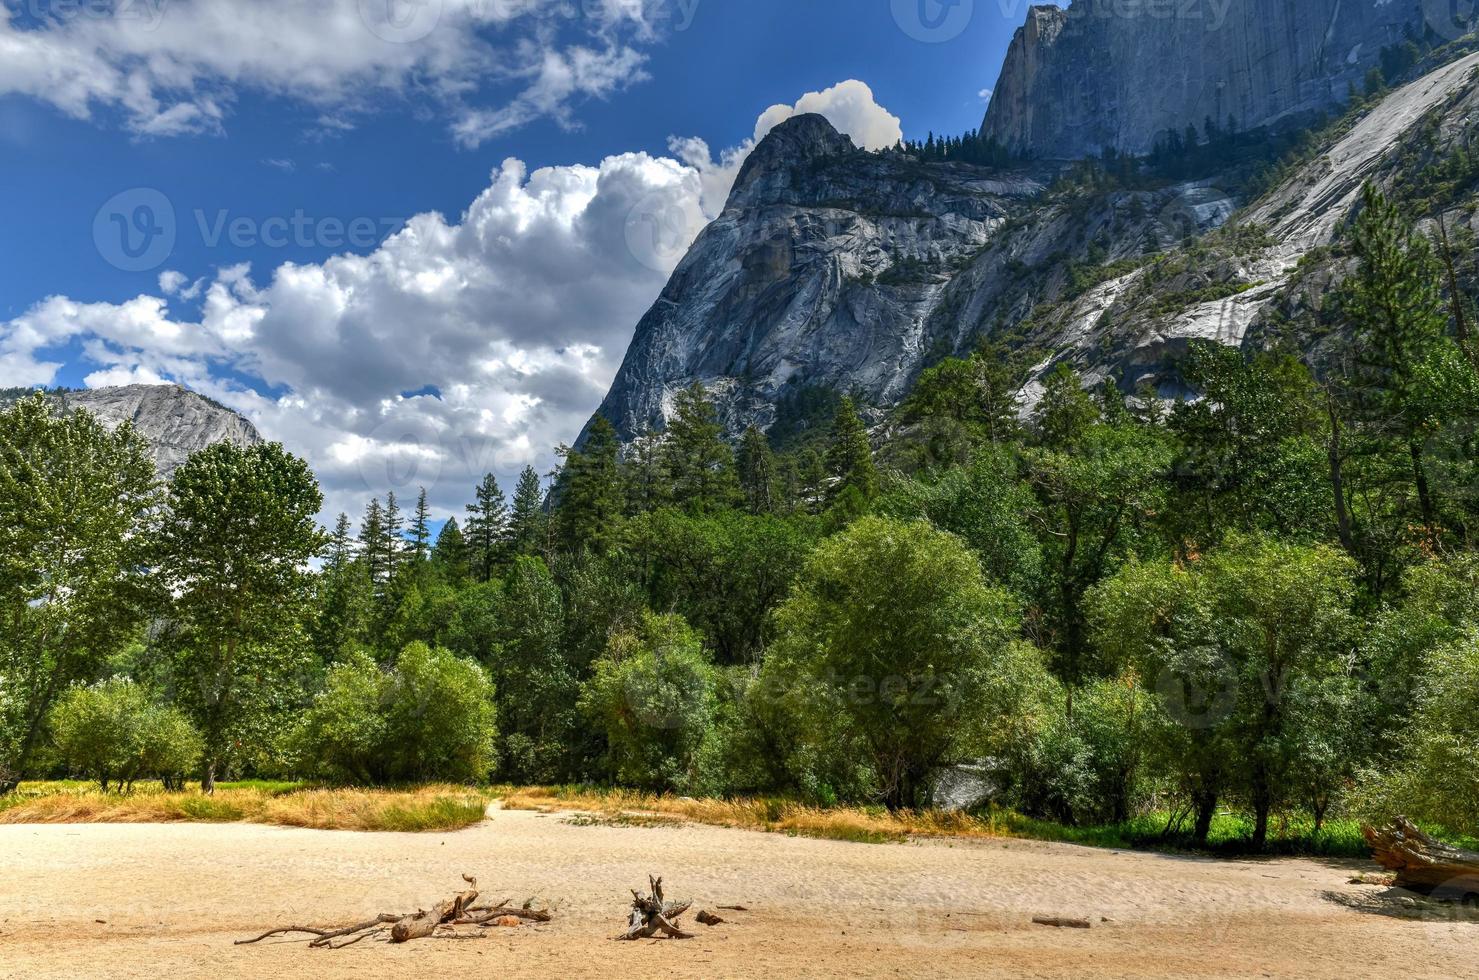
(870, 825)
(429, 808)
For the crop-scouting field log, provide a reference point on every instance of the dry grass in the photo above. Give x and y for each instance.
(775, 816)
(430, 808)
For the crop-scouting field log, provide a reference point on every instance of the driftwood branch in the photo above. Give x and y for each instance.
(652, 914)
(459, 910)
(1422, 864)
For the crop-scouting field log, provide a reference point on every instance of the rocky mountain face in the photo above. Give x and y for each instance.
(834, 268)
(176, 421)
(1107, 73)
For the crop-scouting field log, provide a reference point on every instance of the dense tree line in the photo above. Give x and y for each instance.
(1265, 599)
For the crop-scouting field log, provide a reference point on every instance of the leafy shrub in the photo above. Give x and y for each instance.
(431, 717)
(112, 732)
(1436, 775)
(654, 694)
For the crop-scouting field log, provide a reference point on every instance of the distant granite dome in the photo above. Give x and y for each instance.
(176, 421)
(1107, 73)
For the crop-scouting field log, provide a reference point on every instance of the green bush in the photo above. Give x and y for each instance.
(1436, 775)
(654, 694)
(431, 717)
(114, 733)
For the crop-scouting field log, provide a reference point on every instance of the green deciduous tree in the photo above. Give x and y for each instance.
(893, 641)
(77, 507)
(233, 550)
(724, 573)
(1099, 487)
(1238, 646)
(988, 506)
(429, 717)
(1251, 452)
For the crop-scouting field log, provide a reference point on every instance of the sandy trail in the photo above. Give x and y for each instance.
(172, 898)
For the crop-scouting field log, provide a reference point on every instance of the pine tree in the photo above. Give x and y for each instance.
(850, 456)
(699, 463)
(341, 546)
(449, 554)
(589, 490)
(421, 528)
(528, 523)
(487, 529)
(1399, 325)
(372, 542)
(757, 472)
(813, 476)
(1066, 412)
(394, 545)
(344, 596)
(645, 478)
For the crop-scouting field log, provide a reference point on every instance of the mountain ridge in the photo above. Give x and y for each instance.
(852, 271)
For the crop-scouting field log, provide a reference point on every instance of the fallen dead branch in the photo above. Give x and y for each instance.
(651, 915)
(436, 923)
(705, 917)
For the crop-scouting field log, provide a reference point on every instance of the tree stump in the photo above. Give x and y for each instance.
(652, 914)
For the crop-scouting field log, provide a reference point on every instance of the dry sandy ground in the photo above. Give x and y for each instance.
(165, 902)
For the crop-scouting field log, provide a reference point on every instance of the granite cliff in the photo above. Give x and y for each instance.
(175, 420)
(834, 268)
(1120, 73)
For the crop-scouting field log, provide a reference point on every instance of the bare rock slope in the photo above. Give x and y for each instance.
(176, 422)
(835, 268)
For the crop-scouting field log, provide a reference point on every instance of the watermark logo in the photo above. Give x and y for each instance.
(401, 21)
(933, 21)
(1199, 699)
(135, 230)
(659, 230)
(1450, 19)
(142, 14)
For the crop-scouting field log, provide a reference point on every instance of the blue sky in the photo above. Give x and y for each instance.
(332, 122)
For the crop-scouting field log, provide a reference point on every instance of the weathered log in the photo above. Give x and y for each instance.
(1421, 863)
(708, 918)
(424, 923)
(1060, 923)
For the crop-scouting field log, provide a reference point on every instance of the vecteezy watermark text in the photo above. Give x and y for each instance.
(145, 14)
(938, 21)
(137, 230)
(298, 230)
(409, 21)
